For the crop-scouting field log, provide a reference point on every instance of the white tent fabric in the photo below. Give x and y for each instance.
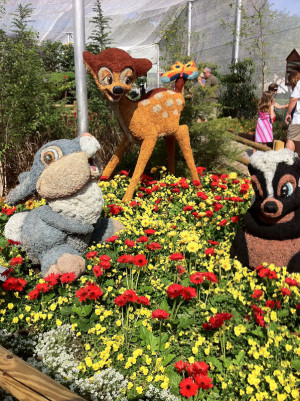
(136, 27)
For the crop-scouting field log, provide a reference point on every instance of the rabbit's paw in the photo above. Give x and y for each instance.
(68, 263)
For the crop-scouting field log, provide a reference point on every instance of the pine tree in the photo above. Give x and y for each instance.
(99, 39)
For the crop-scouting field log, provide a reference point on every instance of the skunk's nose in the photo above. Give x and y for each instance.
(118, 90)
(270, 207)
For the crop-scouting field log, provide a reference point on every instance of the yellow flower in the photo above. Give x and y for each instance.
(10, 306)
(129, 385)
(139, 389)
(58, 322)
(192, 247)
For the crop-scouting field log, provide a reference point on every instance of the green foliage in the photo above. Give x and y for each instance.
(27, 109)
(212, 144)
(51, 53)
(237, 91)
(99, 39)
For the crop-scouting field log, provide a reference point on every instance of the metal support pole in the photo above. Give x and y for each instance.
(189, 27)
(158, 66)
(237, 32)
(80, 71)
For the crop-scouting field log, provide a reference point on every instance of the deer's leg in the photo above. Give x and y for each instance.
(145, 153)
(170, 145)
(114, 161)
(183, 138)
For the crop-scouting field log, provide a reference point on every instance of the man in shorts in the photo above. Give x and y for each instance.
(293, 135)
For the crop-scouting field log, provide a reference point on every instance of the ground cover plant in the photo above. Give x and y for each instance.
(163, 312)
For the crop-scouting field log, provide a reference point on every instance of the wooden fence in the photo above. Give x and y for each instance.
(27, 383)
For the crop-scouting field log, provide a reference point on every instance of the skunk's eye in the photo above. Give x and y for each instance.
(286, 190)
(50, 155)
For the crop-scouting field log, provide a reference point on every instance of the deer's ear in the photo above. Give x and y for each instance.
(90, 61)
(142, 66)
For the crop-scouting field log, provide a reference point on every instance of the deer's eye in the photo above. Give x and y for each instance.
(126, 76)
(105, 76)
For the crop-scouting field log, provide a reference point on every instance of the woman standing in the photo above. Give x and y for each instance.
(293, 116)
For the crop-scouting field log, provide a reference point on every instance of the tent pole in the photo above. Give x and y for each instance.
(237, 32)
(189, 27)
(80, 71)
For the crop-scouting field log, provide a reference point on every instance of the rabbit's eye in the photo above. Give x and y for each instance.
(50, 155)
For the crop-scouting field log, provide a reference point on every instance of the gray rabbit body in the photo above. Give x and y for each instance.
(65, 173)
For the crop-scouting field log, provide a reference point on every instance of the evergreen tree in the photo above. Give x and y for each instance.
(99, 39)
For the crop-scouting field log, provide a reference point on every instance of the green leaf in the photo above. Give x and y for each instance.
(175, 379)
(148, 338)
(296, 364)
(164, 305)
(48, 297)
(84, 310)
(257, 332)
(283, 313)
(216, 362)
(240, 358)
(167, 359)
(219, 299)
(185, 321)
(66, 311)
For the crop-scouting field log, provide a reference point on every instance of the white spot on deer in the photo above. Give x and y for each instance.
(165, 114)
(171, 92)
(175, 112)
(156, 108)
(169, 102)
(159, 95)
(179, 102)
(145, 102)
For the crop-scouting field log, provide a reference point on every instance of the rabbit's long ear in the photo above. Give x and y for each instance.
(25, 188)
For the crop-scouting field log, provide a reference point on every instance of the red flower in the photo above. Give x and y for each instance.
(97, 271)
(235, 219)
(213, 242)
(143, 300)
(188, 388)
(140, 260)
(142, 239)
(203, 381)
(285, 291)
(120, 301)
(209, 252)
(52, 279)
(200, 368)
(210, 277)
(259, 318)
(124, 172)
(217, 320)
(105, 258)
(181, 366)
(174, 290)
(11, 242)
(209, 213)
(129, 243)
(112, 239)
(270, 304)
(176, 256)
(200, 170)
(160, 314)
(94, 291)
(278, 304)
(244, 188)
(196, 183)
(14, 284)
(82, 294)
(130, 296)
(16, 261)
(8, 211)
(257, 294)
(188, 293)
(91, 255)
(150, 231)
(104, 264)
(202, 195)
(126, 259)
(187, 208)
(153, 246)
(291, 282)
(197, 278)
(223, 223)
(115, 209)
(67, 277)
(33, 294)
(43, 287)
(217, 207)
(180, 269)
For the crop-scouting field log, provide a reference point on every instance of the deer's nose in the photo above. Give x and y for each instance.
(118, 90)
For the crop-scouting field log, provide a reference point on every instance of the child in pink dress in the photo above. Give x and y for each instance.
(266, 117)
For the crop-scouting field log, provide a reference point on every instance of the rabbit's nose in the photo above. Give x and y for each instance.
(89, 144)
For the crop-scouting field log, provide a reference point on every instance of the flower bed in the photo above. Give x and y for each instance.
(162, 313)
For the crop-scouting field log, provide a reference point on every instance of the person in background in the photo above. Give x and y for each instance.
(211, 81)
(273, 89)
(266, 116)
(293, 114)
